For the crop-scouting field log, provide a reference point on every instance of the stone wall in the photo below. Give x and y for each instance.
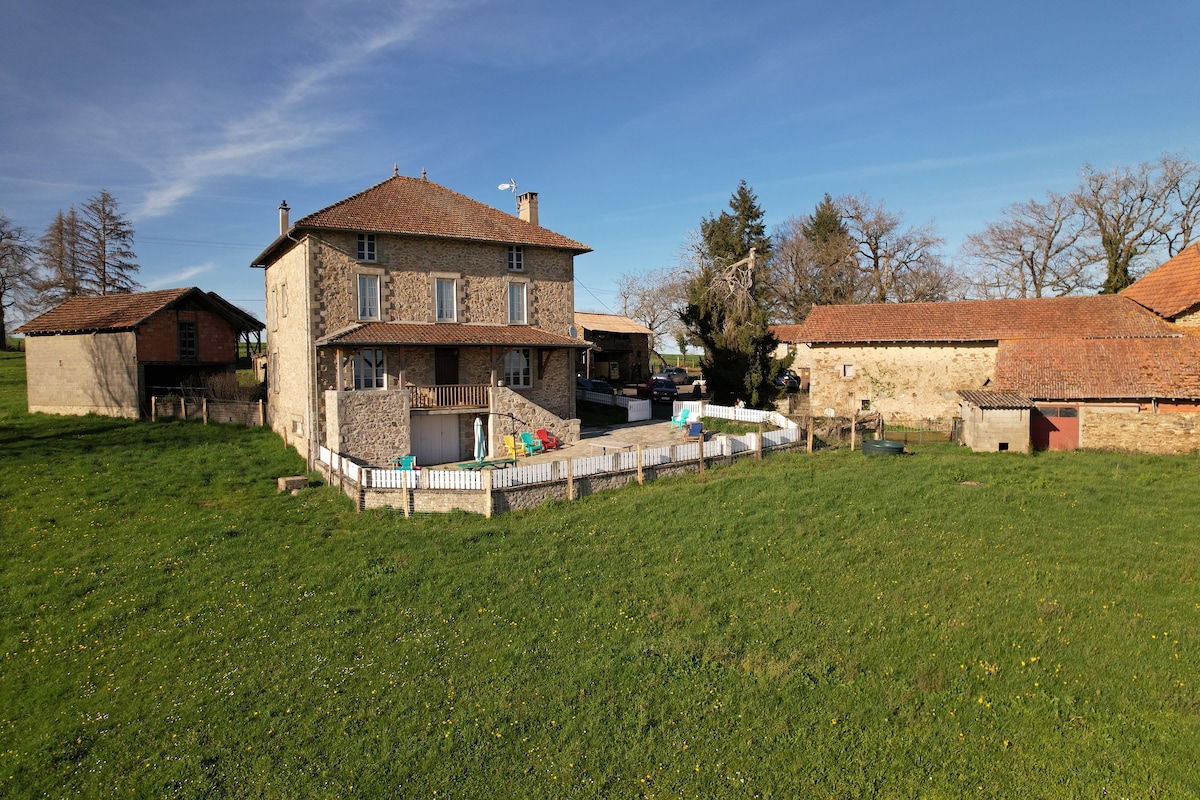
(1157, 434)
(513, 413)
(372, 426)
(290, 386)
(83, 374)
(905, 383)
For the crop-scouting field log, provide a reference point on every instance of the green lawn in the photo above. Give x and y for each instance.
(944, 624)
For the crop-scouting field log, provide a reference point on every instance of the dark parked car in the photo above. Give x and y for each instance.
(659, 389)
(788, 383)
(676, 375)
(600, 385)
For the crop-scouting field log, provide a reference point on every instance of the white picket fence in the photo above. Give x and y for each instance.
(699, 408)
(550, 471)
(637, 408)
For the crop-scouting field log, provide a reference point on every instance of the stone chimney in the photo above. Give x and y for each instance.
(283, 218)
(527, 207)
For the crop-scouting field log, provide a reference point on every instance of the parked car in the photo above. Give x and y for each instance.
(659, 389)
(600, 385)
(676, 375)
(788, 383)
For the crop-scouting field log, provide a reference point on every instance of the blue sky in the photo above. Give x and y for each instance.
(632, 120)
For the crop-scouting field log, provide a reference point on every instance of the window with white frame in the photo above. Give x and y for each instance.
(445, 291)
(366, 247)
(516, 258)
(368, 368)
(517, 370)
(368, 297)
(516, 304)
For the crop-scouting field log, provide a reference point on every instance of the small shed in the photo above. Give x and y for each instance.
(107, 355)
(620, 347)
(995, 421)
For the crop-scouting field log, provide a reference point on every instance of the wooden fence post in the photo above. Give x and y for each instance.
(641, 479)
(261, 419)
(759, 447)
(810, 433)
(204, 409)
(153, 407)
(183, 409)
(488, 508)
(570, 481)
(853, 432)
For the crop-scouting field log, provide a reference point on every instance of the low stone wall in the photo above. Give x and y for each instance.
(250, 413)
(1155, 434)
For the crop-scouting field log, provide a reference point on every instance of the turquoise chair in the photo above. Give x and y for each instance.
(680, 420)
(530, 444)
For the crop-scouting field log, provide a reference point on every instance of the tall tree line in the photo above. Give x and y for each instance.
(82, 253)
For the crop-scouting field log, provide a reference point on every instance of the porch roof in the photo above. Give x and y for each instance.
(449, 335)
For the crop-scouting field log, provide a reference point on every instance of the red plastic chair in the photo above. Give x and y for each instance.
(549, 441)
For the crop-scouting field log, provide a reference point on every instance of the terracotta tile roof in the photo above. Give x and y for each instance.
(982, 321)
(1172, 288)
(786, 333)
(1103, 369)
(988, 399)
(117, 312)
(613, 323)
(420, 207)
(393, 333)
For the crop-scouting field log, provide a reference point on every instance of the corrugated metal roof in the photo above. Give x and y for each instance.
(999, 400)
(613, 323)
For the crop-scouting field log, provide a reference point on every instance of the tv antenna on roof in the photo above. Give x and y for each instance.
(511, 186)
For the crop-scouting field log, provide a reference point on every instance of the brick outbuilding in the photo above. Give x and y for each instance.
(107, 355)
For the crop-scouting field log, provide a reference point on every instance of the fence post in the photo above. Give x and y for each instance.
(261, 420)
(853, 431)
(640, 477)
(153, 407)
(810, 433)
(570, 481)
(488, 508)
(758, 444)
(204, 409)
(183, 409)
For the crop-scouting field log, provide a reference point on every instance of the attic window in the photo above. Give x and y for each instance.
(516, 258)
(366, 247)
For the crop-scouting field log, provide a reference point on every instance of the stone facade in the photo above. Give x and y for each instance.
(904, 383)
(312, 291)
(1140, 432)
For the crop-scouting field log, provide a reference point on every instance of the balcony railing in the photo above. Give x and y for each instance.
(455, 396)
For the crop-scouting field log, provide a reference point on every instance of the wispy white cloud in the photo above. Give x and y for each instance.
(182, 277)
(291, 120)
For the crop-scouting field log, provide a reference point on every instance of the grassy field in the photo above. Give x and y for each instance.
(944, 624)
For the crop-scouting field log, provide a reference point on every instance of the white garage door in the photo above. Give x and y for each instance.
(435, 439)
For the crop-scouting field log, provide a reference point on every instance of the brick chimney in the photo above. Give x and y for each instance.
(527, 207)
(283, 218)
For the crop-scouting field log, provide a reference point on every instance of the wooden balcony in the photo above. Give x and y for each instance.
(450, 396)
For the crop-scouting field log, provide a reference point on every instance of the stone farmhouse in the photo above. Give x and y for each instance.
(1103, 358)
(398, 316)
(107, 355)
(620, 347)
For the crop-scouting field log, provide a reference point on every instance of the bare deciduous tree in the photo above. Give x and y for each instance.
(1182, 182)
(1128, 208)
(16, 271)
(62, 272)
(898, 264)
(654, 299)
(1038, 249)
